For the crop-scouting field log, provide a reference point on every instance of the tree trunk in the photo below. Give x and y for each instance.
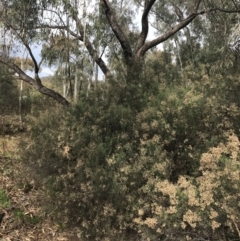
(20, 97)
(20, 105)
(135, 68)
(75, 92)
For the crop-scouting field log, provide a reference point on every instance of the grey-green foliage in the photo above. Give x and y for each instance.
(23, 15)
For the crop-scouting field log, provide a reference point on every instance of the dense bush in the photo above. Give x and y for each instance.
(167, 170)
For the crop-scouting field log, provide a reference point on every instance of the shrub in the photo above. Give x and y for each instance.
(155, 172)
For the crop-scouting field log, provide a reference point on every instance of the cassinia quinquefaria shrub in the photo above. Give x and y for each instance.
(208, 202)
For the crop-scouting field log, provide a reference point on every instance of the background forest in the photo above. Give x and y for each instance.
(147, 150)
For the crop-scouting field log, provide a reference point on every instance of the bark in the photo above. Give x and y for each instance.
(145, 23)
(120, 35)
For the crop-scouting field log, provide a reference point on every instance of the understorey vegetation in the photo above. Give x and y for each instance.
(165, 170)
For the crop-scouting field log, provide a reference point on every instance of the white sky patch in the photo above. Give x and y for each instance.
(30, 73)
(45, 71)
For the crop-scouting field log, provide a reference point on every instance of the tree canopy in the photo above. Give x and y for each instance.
(110, 31)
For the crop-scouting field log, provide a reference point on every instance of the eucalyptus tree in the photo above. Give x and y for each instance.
(69, 57)
(63, 53)
(18, 19)
(108, 29)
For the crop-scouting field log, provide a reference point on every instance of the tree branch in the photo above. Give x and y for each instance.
(22, 37)
(36, 66)
(167, 35)
(178, 27)
(127, 50)
(36, 84)
(219, 10)
(59, 27)
(143, 35)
